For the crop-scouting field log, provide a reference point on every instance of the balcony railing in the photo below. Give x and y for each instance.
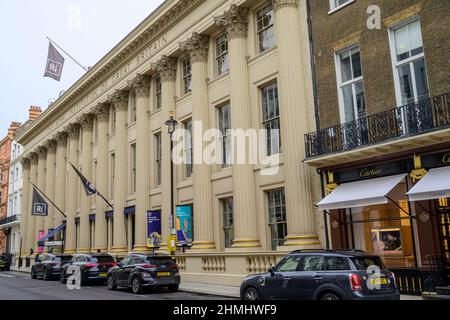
(412, 119)
(11, 219)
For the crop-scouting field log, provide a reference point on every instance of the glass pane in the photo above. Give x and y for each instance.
(346, 66)
(421, 79)
(406, 90)
(267, 39)
(356, 63)
(415, 38)
(360, 100)
(349, 110)
(401, 43)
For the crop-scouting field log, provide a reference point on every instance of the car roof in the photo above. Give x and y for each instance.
(151, 254)
(335, 252)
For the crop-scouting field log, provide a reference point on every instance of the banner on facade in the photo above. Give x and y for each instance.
(39, 207)
(40, 249)
(55, 63)
(154, 229)
(184, 225)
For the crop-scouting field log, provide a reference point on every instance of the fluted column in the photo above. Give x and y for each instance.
(25, 214)
(60, 177)
(50, 182)
(197, 48)
(31, 236)
(292, 83)
(120, 101)
(141, 86)
(87, 123)
(72, 189)
(102, 114)
(41, 179)
(235, 22)
(167, 67)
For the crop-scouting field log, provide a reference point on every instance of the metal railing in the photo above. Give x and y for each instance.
(11, 219)
(412, 119)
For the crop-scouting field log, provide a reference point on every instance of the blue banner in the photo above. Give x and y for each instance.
(184, 225)
(154, 229)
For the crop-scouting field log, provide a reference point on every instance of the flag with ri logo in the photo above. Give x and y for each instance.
(39, 206)
(55, 63)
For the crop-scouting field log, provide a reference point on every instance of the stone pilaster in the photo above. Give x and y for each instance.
(235, 22)
(50, 182)
(292, 84)
(120, 101)
(41, 179)
(87, 123)
(102, 114)
(197, 48)
(60, 177)
(73, 131)
(31, 235)
(25, 214)
(141, 85)
(166, 67)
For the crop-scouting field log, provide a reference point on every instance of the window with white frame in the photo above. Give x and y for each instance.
(336, 4)
(158, 158)
(265, 28)
(133, 168)
(187, 76)
(113, 121)
(158, 92)
(350, 85)
(188, 148)
(133, 106)
(271, 118)
(225, 133)
(277, 217)
(409, 63)
(223, 65)
(228, 221)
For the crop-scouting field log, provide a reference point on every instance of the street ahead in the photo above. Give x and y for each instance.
(19, 286)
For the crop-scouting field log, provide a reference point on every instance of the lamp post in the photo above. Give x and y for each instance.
(171, 124)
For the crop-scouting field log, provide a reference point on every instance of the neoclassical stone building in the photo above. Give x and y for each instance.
(229, 64)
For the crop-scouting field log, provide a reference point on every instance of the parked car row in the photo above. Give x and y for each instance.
(4, 263)
(136, 271)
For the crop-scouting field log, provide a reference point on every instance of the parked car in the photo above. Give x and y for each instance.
(140, 271)
(49, 266)
(4, 263)
(323, 275)
(91, 268)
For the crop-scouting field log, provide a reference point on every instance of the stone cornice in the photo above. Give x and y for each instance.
(235, 21)
(197, 47)
(167, 68)
(141, 85)
(278, 4)
(149, 31)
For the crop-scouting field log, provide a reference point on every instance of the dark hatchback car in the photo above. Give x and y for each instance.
(49, 266)
(92, 268)
(140, 271)
(4, 263)
(323, 275)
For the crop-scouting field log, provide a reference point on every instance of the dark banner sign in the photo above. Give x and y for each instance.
(436, 160)
(154, 229)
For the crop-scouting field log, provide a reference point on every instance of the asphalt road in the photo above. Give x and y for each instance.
(19, 286)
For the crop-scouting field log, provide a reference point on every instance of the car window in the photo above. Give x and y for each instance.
(136, 260)
(82, 259)
(102, 259)
(160, 260)
(289, 264)
(64, 259)
(338, 264)
(312, 263)
(46, 258)
(125, 261)
(2, 259)
(363, 263)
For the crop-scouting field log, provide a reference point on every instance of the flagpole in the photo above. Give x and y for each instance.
(43, 194)
(73, 59)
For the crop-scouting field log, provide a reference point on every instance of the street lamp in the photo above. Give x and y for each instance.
(171, 124)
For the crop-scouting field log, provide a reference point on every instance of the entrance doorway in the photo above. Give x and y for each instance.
(444, 232)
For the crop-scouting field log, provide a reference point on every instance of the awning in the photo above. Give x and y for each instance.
(435, 185)
(361, 193)
(51, 234)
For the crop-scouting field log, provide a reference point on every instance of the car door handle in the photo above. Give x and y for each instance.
(287, 279)
(318, 278)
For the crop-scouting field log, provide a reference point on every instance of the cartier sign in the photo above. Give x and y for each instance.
(446, 158)
(366, 173)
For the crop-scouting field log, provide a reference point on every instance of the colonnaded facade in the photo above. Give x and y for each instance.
(228, 64)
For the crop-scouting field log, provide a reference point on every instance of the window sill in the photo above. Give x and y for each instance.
(340, 7)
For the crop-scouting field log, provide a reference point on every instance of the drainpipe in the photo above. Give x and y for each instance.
(313, 65)
(325, 217)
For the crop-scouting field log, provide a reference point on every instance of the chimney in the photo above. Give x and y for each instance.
(12, 129)
(34, 112)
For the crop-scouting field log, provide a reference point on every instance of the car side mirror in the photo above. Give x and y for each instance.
(272, 272)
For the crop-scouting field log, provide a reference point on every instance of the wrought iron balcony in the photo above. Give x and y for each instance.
(11, 219)
(413, 119)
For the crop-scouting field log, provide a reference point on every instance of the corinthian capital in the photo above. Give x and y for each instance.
(235, 22)
(61, 139)
(167, 68)
(278, 4)
(73, 130)
(50, 145)
(141, 85)
(42, 152)
(101, 111)
(87, 121)
(33, 156)
(197, 47)
(25, 162)
(119, 99)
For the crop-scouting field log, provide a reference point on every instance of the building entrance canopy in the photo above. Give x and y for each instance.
(435, 185)
(361, 193)
(41, 242)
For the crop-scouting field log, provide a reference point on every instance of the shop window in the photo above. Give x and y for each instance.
(277, 217)
(265, 28)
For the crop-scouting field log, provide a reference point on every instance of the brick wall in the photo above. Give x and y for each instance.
(347, 26)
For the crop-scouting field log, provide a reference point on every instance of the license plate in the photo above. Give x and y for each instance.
(103, 275)
(378, 281)
(163, 274)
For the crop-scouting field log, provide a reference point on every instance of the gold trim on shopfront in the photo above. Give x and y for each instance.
(418, 172)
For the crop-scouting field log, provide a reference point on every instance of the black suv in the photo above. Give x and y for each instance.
(323, 275)
(4, 263)
(140, 271)
(89, 267)
(49, 266)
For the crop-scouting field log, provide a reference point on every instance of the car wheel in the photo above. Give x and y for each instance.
(174, 288)
(251, 294)
(62, 277)
(136, 285)
(330, 297)
(33, 274)
(110, 283)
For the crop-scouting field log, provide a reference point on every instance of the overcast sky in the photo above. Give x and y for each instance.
(87, 29)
